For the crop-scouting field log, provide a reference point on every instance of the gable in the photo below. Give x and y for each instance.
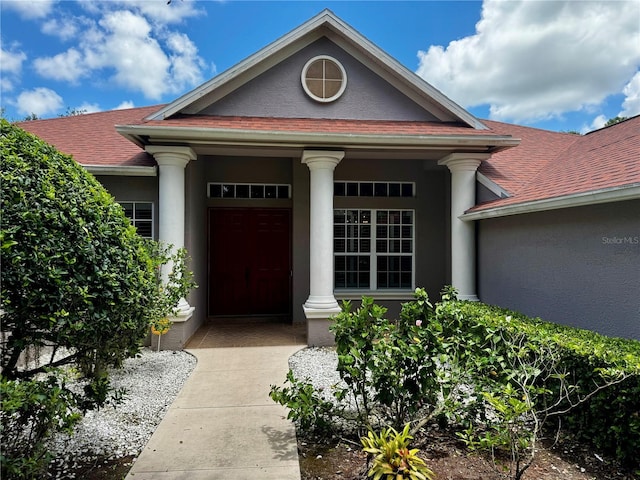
(278, 93)
(327, 26)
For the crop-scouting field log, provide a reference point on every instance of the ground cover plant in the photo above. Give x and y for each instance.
(79, 289)
(502, 383)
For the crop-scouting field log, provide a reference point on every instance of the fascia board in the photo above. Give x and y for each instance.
(280, 138)
(124, 171)
(491, 185)
(594, 197)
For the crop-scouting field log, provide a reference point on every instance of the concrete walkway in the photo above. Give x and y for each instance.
(223, 425)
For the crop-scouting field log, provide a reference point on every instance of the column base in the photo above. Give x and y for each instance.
(469, 298)
(182, 328)
(318, 322)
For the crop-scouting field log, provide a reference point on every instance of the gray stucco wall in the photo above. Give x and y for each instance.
(430, 205)
(133, 189)
(279, 93)
(576, 266)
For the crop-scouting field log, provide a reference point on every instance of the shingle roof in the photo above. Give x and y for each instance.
(540, 168)
(545, 164)
(92, 139)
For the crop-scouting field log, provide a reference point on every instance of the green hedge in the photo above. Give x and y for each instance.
(610, 419)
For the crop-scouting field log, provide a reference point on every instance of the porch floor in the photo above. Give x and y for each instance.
(222, 333)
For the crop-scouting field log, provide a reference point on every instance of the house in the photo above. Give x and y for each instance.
(320, 169)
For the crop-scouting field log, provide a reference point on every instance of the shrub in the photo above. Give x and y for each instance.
(602, 374)
(30, 411)
(78, 284)
(306, 406)
(391, 368)
(75, 274)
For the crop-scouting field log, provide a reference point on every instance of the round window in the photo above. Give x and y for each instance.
(324, 78)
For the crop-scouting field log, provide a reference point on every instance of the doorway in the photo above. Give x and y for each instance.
(249, 262)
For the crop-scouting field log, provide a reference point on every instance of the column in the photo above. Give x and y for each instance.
(463, 167)
(321, 303)
(171, 166)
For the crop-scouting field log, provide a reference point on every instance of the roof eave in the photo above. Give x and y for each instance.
(122, 170)
(593, 197)
(145, 135)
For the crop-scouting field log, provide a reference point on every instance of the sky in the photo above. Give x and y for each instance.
(557, 65)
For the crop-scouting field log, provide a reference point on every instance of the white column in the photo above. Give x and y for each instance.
(171, 207)
(321, 302)
(463, 167)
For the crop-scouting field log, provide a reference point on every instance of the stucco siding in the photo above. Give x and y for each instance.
(279, 93)
(576, 266)
(133, 189)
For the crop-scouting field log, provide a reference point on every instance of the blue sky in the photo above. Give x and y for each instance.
(550, 64)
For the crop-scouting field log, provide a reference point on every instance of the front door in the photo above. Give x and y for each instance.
(249, 261)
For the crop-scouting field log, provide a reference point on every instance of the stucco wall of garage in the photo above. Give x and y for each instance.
(576, 266)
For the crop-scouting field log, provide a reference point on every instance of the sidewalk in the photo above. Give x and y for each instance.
(223, 425)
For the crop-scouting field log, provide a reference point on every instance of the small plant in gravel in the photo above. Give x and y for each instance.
(392, 457)
(306, 406)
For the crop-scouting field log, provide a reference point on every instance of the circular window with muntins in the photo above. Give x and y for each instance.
(324, 78)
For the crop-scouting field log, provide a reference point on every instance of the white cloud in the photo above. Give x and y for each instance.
(161, 13)
(596, 124)
(631, 104)
(32, 9)
(136, 54)
(41, 101)
(67, 66)
(124, 105)
(64, 28)
(87, 107)
(536, 60)
(10, 67)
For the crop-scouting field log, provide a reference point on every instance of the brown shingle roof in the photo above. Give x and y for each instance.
(92, 139)
(605, 158)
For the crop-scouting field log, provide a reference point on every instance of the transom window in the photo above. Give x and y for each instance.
(373, 249)
(324, 78)
(373, 189)
(141, 216)
(248, 190)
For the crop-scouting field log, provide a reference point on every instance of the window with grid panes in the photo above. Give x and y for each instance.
(141, 216)
(373, 249)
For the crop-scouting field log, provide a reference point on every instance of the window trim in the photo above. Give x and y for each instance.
(134, 220)
(249, 186)
(400, 292)
(303, 79)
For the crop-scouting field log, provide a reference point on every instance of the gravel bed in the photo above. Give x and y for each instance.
(152, 381)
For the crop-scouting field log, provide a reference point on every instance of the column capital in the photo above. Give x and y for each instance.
(171, 154)
(464, 161)
(319, 159)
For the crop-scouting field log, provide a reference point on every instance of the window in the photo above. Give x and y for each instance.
(373, 189)
(373, 249)
(141, 216)
(248, 190)
(324, 79)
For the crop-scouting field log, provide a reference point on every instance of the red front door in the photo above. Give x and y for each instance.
(249, 261)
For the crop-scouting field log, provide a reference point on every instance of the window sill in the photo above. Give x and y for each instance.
(376, 294)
